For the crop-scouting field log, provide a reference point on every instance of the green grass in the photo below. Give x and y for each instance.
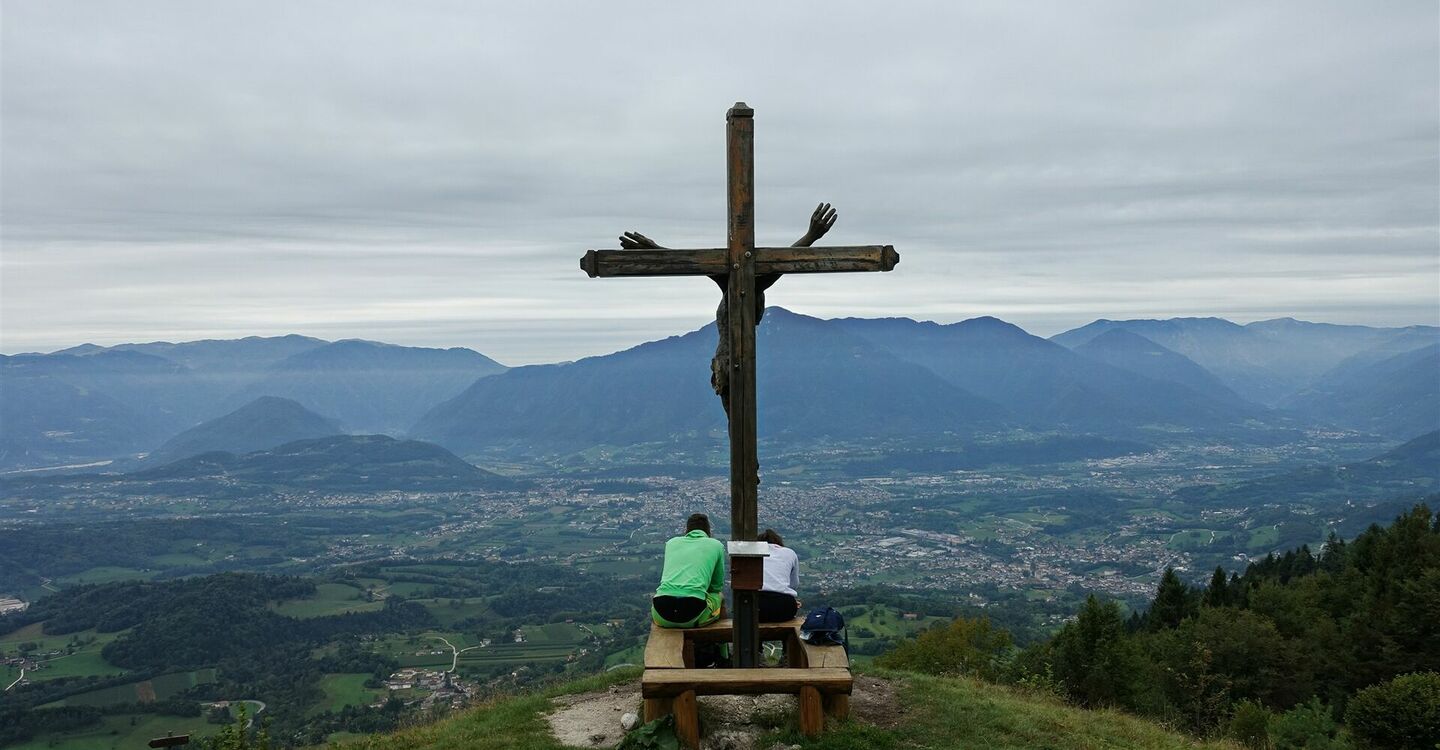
(329, 599)
(939, 713)
(515, 723)
(343, 690)
(116, 733)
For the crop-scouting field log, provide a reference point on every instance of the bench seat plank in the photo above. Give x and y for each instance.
(824, 656)
(660, 683)
(665, 649)
(723, 630)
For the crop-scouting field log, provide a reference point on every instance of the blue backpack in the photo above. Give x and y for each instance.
(825, 627)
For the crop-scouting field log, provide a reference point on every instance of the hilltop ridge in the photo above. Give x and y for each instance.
(936, 712)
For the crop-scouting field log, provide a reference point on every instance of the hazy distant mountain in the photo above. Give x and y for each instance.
(46, 421)
(266, 422)
(1410, 469)
(1133, 352)
(75, 408)
(226, 366)
(1040, 381)
(369, 386)
(252, 353)
(1398, 395)
(814, 380)
(1264, 361)
(335, 463)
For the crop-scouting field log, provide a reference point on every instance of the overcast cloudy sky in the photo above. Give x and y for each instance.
(429, 173)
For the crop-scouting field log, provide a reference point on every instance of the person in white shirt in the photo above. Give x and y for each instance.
(778, 602)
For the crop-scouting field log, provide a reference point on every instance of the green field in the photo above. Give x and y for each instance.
(450, 611)
(329, 599)
(343, 690)
(555, 632)
(1263, 539)
(84, 658)
(79, 664)
(159, 688)
(884, 622)
(107, 574)
(632, 655)
(117, 733)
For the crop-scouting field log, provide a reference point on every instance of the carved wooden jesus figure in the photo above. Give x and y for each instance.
(744, 272)
(820, 222)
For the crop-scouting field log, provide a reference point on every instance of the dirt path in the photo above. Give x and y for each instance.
(732, 722)
(454, 652)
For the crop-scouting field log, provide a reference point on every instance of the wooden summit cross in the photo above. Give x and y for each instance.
(736, 267)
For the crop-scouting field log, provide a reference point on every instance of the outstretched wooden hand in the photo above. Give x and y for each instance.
(820, 223)
(637, 241)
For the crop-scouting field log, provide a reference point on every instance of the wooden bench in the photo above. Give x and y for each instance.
(818, 675)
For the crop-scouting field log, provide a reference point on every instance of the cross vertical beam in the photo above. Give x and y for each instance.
(740, 301)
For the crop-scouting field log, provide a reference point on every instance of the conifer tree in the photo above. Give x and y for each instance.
(1173, 602)
(1217, 594)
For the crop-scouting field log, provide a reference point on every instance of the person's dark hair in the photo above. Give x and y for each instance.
(698, 521)
(771, 536)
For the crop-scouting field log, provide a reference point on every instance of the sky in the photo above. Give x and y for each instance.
(429, 173)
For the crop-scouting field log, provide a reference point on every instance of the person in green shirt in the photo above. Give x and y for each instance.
(692, 584)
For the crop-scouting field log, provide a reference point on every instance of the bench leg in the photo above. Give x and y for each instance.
(837, 705)
(687, 720)
(812, 716)
(656, 708)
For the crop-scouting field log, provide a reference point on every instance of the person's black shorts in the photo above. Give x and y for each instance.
(678, 609)
(777, 607)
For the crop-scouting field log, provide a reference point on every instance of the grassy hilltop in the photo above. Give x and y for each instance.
(938, 713)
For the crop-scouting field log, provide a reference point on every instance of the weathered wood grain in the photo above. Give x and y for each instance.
(657, 707)
(723, 630)
(740, 299)
(664, 649)
(715, 261)
(659, 683)
(824, 656)
(812, 712)
(687, 720)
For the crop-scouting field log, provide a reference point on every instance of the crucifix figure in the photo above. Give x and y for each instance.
(744, 272)
(820, 223)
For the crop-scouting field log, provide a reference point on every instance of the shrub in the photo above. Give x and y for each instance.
(1403, 713)
(966, 646)
(1250, 725)
(1308, 726)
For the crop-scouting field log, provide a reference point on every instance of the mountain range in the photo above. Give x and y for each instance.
(843, 379)
(90, 403)
(266, 422)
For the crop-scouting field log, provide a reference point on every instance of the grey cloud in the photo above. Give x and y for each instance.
(429, 173)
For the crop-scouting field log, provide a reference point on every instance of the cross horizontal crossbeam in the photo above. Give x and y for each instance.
(715, 261)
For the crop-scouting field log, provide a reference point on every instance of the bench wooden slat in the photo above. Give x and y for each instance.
(659, 683)
(723, 630)
(824, 656)
(665, 649)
